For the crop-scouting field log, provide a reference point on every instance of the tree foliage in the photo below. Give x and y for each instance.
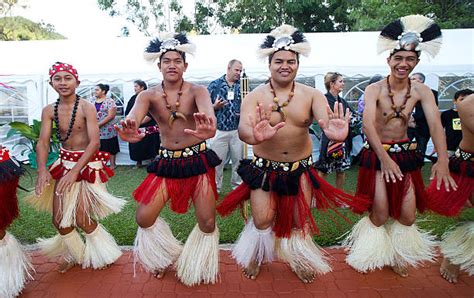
(256, 16)
(19, 28)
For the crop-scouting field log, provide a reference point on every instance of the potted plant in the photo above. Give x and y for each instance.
(31, 133)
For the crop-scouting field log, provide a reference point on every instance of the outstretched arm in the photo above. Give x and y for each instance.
(128, 129)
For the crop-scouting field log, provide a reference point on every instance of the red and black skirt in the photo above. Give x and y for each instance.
(10, 172)
(283, 181)
(461, 166)
(184, 174)
(410, 161)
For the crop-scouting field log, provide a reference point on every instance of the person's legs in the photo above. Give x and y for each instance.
(340, 178)
(299, 250)
(411, 245)
(259, 227)
(220, 145)
(113, 165)
(369, 243)
(155, 246)
(199, 260)
(236, 155)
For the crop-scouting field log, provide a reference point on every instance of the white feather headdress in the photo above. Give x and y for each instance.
(411, 33)
(168, 42)
(287, 38)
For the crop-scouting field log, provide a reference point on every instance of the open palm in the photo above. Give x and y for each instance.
(262, 129)
(337, 126)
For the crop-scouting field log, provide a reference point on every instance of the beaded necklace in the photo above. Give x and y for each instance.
(71, 122)
(174, 114)
(279, 107)
(397, 110)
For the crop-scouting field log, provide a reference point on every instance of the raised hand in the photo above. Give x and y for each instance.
(262, 129)
(337, 126)
(205, 127)
(128, 131)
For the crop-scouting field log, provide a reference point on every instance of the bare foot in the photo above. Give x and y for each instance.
(400, 270)
(65, 266)
(449, 271)
(159, 274)
(252, 270)
(305, 276)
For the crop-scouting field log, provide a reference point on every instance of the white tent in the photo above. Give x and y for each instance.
(119, 60)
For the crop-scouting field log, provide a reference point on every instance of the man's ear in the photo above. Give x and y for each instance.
(185, 66)
(159, 65)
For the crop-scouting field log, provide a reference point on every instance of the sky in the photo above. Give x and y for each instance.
(75, 19)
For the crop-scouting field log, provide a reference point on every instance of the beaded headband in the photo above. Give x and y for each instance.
(415, 33)
(59, 66)
(287, 38)
(168, 42)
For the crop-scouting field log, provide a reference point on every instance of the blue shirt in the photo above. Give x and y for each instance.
(227, 116)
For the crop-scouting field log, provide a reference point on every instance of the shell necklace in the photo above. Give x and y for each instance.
(279, 107)
(397, 110)
(174, 114)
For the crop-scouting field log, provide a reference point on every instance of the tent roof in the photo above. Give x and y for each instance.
(350, 53)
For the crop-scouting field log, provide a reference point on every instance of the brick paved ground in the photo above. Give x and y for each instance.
(275, 280)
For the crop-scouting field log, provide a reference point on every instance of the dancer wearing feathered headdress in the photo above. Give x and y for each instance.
(73, 188)
(390, 163)
(458, 244)
(15, 266)
(281, 181)
(183, 171)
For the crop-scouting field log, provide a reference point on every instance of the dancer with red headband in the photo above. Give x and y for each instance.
(73, 188)
(390, 163)
(15, 265)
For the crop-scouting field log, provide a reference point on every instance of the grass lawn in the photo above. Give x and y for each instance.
(31, 224)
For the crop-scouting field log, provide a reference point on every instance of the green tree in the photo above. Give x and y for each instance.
(7, 5)
(19, 28)
(257, 16)
(366, 15)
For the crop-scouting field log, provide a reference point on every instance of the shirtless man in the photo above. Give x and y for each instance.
(280, 181)
(457, 245)
(182, 171)
(73, 188)
(15, 266)
(390, 164)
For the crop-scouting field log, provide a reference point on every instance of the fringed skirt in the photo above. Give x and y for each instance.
(183, 173)
(409, 160)
(461, 166)
(10, 172)
(284, 181)
(89, 193)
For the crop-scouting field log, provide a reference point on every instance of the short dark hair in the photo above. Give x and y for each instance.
(141, 84)
(422, 76)
(463, 92)
(104, 87)
(182, 54)
(297, 56)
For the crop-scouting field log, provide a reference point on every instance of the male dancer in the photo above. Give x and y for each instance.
(182, 170)
(458, 245)
(281, 181)
(73, 187)
(390, 164)
(15, 265)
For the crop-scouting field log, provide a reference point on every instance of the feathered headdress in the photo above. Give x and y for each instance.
(287, 38)
(168, 42)
(411, 33)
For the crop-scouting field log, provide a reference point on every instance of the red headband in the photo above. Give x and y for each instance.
(59, 66)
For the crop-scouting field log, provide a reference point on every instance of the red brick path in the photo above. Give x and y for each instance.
(275, 280)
